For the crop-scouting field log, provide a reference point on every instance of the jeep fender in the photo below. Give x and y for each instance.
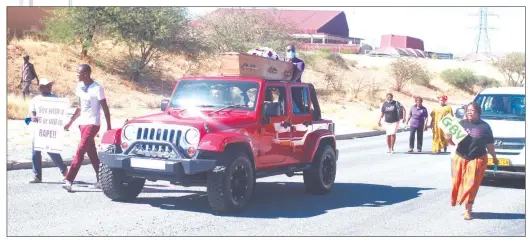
(112, 136)
(314, 140)
(216, 142)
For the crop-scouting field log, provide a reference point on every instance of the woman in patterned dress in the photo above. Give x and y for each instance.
(438, 136)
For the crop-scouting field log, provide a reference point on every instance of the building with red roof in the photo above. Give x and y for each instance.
(311, 27)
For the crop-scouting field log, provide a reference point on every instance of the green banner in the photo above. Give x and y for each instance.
(451, 125)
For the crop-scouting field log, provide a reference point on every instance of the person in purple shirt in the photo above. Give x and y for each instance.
(300, 65)
(418, 114)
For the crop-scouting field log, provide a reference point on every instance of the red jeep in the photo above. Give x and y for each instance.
(223, 132)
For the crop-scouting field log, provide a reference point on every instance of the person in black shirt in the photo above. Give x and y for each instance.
(390, 110)
(471, 158)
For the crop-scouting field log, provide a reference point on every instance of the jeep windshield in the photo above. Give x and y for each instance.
(215, 95)
(503, 107)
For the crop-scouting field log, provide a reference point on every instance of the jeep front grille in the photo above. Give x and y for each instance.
(157, 134)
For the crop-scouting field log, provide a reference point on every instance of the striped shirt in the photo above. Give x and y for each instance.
(28, 72)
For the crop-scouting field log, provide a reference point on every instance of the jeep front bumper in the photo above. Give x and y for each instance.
(156, 168)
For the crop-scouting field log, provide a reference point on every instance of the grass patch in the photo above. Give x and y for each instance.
(17, 108)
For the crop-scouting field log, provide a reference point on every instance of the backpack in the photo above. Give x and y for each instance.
(399, 109)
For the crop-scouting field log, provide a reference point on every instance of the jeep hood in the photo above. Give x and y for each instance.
(215, 122)
(507, 128)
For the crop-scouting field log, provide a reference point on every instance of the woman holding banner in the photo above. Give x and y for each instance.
(438, 140)
(471, 158)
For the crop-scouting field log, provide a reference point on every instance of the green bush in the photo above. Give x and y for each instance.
(405, 70)
(337, 60)
(346, 51)
(310, 60)
(324, 50)
(487, 82)
(461, 78)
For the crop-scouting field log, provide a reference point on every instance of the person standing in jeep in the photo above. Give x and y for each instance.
(92, 100)
(393, 112)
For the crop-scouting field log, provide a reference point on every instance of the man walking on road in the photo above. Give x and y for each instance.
(28, 74)
(91, 101)
(45, 88)
(393, 111)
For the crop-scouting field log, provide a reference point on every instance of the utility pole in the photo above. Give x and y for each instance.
(483, 39)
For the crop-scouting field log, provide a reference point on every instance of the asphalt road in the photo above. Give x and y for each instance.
(375, 194)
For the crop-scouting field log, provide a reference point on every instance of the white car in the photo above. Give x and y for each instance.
(505, 111)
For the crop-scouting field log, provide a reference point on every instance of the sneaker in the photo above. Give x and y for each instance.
(68, 186)
(96, 185)
(36, 180)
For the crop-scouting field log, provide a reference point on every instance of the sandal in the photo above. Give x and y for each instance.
(467, 215)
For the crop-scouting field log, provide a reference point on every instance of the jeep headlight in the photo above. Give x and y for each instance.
(192, 136)
(129, 132)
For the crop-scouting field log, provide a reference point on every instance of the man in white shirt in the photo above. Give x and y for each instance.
(91, 101)
(45, 88)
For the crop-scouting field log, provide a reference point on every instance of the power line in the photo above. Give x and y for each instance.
(483, 39)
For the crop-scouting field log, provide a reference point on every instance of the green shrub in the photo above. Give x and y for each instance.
(324, 50)
(461, 78)
(347, 51)
(406, 70)
(487, 82)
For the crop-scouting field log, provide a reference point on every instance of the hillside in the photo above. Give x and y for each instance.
(59, 63)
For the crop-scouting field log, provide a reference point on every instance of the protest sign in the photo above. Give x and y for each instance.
(451, 125)
(49, 130)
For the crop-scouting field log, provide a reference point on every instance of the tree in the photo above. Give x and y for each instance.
(148, 30)
(404, 70)
(69, 25)
(513, 67)
(240, 31)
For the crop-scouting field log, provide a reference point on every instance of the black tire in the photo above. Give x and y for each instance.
(117, 186)
(231, 183)
(320, 177)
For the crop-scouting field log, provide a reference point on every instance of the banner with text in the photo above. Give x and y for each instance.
(451, 125)
(49, 130)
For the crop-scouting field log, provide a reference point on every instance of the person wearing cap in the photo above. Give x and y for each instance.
(28, 74)
(45, 89)
(299, 64)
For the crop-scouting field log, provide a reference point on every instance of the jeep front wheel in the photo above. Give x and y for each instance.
(117, 186)
(320, 177)
(230, 186)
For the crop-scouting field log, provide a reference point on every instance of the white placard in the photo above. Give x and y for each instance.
(48, 133)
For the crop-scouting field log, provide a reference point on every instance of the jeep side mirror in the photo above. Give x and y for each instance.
(163, 104)
(460, 113)
(270, 110)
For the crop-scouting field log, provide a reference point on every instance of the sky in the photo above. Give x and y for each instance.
(442, 29)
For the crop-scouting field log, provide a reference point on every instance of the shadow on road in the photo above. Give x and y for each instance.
(504, 183)
(289, 200)
(497, 216)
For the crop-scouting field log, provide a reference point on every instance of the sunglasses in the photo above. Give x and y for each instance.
(290, 50)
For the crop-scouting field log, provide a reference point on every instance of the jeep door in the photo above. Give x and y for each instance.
(300, 116)
(275, 136)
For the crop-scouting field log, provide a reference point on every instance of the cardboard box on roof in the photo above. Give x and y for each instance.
(245, 65)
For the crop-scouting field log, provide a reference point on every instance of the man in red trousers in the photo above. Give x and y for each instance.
(91, 101)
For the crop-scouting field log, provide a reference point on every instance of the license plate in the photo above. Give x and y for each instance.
(148, 164)
(502, 161)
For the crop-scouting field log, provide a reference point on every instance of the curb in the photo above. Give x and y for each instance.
(50, 164)
(45, 164)
(366, 134)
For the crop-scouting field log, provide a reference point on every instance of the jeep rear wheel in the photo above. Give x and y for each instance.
(320, 177)
(230, 185)
(117, 186)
